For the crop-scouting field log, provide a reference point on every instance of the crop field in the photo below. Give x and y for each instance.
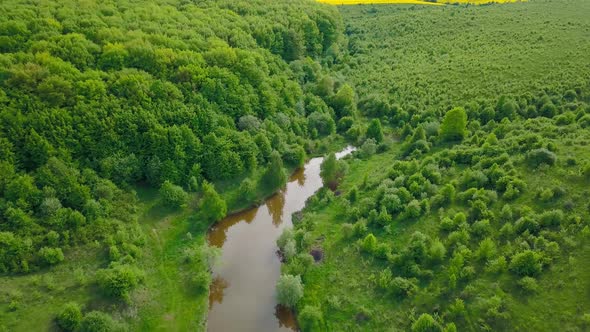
(414, 2)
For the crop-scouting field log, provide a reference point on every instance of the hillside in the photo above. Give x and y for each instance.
(468, 211)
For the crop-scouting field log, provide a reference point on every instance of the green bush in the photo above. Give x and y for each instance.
(173, 195)
(96, 321)
(529, 285)
(425, 323)
(526, 263)
(537, 157)
(289, 290)
(70, 317)
(454, 125)
(212, 205)
(118, 280)
(311, 319)
(51, 256)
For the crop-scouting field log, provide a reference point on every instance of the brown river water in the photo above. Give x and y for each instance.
(243, 296)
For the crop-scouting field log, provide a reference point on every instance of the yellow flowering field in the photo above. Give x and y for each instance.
(413, 2)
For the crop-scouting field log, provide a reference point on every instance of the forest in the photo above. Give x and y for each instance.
(129, 128)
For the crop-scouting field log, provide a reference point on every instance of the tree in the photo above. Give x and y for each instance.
(118, 280)
(375, 131)
(343, 101)
(332, 170)
(247, 190)
(425, 323)
(289, 290)
(173, 195)
(541, 156)
(526, 263)
(70, 318)
(311, 319)
(212, 206)
(51, 256)
(454, 125)
(275, 176)
(96, 321)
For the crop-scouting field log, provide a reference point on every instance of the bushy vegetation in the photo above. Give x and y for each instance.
(476, 219)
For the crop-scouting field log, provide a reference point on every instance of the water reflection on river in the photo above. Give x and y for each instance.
(242, 296)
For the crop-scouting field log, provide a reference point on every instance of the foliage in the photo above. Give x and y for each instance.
(453, 127)
(118, 280)
(289, 290)
(70, 317)
(332, 170)
(425, 323)
(212, 205)
(310, 318)
(96, 321)
(173, 195)
(275, 175)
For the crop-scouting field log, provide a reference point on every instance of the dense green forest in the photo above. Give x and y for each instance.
(118, 118)
(465, 207)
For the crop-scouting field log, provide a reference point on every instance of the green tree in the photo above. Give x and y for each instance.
(425, 323)
(212, 205)
(454, 125)
(173, 195)
(343, 101)
(311, 319)
(275, 175)
(526, 263)
(70, 317)
(96, 321)
(375, 131)
(289, 290)
(117, 281)
(332, 170)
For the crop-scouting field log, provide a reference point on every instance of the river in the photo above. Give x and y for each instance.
(243, 296)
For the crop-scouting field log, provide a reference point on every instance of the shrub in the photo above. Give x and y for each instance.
(289, 290)
(529, 285)
(374, 131)
(173, 195)
(212, 205)
(402, 287)
(497, 266)
(96, 321)
(437, 251)
(425, 323)
(369, 244)
(551, 218)
(486, 250)
(481, 228)
(541, 156)
(70, 317)
(51, 256)
(585, 171)
(526, 263)
(311, 319)
(200, 281)
(454, 125)
(368, 148)
(247, 190)
(119, 280)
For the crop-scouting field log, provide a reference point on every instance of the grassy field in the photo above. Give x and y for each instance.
(418, 62)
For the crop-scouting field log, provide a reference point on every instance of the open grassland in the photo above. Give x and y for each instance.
(431, 235)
